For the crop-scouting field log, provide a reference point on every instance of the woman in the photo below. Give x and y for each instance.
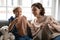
(42, 20)
(18, 25)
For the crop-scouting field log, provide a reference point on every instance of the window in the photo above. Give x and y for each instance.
(11, 4)
(2, 9)
(47, 5)
(27, 7)
(2, 2)
(6, 7)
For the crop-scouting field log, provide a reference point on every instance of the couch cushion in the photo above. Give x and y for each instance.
(2, 23)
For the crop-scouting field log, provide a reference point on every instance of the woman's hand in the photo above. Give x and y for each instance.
(42, 25)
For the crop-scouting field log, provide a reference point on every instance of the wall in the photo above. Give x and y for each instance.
(58, 10)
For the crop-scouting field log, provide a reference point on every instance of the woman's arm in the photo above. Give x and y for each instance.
(57, 27)
(34, 30)
(54, 24)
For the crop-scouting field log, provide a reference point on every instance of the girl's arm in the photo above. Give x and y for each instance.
(12, 24)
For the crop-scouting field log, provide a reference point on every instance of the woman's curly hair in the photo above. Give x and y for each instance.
(39, 6)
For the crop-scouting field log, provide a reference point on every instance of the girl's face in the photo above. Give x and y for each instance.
(35, 11)
(18, 12)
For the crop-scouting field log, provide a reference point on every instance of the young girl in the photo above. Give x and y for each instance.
(18, 25)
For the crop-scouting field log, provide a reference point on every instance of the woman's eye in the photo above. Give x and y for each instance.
(34, 9)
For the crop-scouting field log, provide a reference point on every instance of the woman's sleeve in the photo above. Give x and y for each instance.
(54, 24)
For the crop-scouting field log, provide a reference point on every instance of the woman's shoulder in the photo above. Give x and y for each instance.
(50, 17)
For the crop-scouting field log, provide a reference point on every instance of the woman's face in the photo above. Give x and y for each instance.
(35, 11)
(18, 12)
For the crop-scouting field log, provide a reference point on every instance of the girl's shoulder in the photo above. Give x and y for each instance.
(24, 17)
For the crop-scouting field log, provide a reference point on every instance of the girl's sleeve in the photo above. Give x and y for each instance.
(10, 19)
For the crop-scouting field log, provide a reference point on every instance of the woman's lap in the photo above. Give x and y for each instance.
(56, 38)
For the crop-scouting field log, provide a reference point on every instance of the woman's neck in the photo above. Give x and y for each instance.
(40, 18)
